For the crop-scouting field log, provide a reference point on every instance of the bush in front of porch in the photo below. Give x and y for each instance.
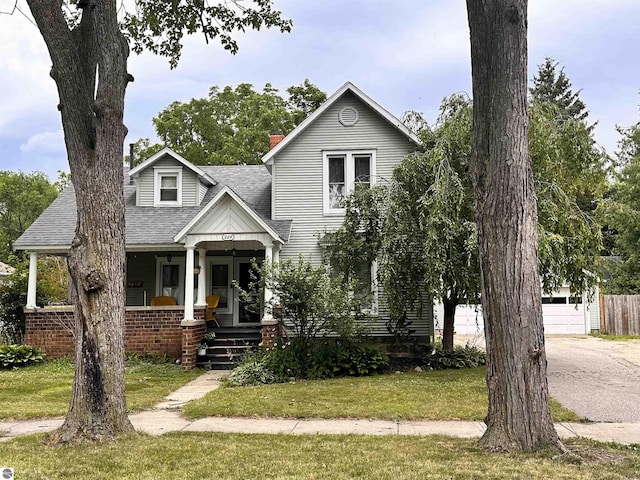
(322, 318)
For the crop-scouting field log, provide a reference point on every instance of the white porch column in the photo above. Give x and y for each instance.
(33, 278)
(188, 284)
(202, 278)
(268, 294)
(276, 253)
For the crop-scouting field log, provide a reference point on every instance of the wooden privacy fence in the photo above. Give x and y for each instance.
(620, 314)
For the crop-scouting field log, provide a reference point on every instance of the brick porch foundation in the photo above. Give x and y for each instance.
(148, 330)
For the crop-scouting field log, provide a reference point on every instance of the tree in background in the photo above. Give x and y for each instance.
(88, 48)
(621, 213)
(231, 125)
(519, 417)
(23, 197)
(553, 86)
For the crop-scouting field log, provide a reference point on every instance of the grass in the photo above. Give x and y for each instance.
(337, 457)
(606, 336)
(434, 395)
(44, 390)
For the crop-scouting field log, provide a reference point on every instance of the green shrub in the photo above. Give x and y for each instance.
(326, 358)
(255, 372)
(13, 356)
(459, 357)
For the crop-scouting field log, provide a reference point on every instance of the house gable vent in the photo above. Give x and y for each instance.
(348, 116)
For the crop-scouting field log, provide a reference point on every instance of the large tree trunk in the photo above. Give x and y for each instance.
(92, 107)
(519, 416)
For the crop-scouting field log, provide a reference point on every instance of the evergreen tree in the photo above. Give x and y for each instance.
(551, 85)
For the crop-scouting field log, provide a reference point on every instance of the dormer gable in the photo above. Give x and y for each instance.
(166, 179)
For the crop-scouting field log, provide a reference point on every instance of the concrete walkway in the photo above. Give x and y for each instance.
(166, 417)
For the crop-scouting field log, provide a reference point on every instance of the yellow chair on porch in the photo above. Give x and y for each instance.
(210, 312)
(163, 300)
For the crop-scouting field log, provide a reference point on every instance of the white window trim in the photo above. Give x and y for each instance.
(349, 178)
(158, 173)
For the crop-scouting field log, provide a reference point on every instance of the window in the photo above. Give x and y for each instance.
(220, 284)
(342, 171)
(367, 289)
(168, 186)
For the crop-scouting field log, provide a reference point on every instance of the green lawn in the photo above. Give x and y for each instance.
(336, 457)
(435, 395)
(44, 390)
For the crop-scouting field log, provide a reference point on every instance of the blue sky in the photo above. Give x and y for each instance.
(406, 54)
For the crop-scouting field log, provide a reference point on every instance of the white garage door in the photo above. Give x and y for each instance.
(560, 316)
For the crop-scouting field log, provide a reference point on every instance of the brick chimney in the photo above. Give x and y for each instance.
(275, 139)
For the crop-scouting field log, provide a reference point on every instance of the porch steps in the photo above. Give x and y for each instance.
(230, 345)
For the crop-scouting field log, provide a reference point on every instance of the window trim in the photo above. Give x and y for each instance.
(158, 173)
(349, 178)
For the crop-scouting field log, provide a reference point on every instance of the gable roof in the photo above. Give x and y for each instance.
(347, 87)
(167, 151)
(147, 227)
(226, 190)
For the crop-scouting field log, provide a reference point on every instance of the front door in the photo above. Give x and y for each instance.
(243, 315)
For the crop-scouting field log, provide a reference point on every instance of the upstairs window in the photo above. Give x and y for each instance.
(342, 171)
(168, 187)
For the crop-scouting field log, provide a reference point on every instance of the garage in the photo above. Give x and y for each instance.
(562, 313)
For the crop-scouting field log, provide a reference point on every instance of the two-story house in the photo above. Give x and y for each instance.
(191, 231)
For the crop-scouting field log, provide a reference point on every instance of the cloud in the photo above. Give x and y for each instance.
(45, 143)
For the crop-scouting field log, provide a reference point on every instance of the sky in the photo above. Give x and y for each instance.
(405, 54)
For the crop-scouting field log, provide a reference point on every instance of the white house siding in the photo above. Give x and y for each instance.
(298, 181)
(190, 184)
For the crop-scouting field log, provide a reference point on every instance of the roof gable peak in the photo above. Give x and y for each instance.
(346, 87)
(179, 158)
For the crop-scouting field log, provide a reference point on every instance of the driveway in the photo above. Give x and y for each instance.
(598, 379)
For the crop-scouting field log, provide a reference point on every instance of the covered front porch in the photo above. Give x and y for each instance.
(212, 255)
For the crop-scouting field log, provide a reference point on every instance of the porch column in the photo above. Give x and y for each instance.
(268, 294)
(276, 253)
(188, 284)
(33, 278)
(202, 278)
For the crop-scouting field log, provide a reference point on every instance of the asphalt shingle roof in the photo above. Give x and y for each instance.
(157, 226)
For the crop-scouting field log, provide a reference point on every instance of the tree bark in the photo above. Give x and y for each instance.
(519, 417)
(448, 327)
(90, 71)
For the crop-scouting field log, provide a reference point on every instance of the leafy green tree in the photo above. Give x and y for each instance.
(553, 86)
(308, 301)
(231, 125)
(620, 211)
(51, 286)
(428, 248)
(23, 197)
(88, 43)
(304, 99)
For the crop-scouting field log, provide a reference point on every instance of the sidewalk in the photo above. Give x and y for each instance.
(165, 417)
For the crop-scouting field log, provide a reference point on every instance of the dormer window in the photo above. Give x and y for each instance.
(167, 187)
(342, 171)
